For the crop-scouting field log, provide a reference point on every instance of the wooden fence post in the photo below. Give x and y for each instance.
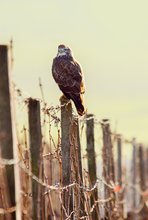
(66, 122)
(91, 157)
(142, 168)
(35, 150)
(134, 173)
(79, 152)
(119, 160)
(6, 127)
(108, 168)
(77, 169)
(119, 174)
(142, 175)
(146, 164)
(82, 199)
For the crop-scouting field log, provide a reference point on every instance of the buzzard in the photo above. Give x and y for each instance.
(68, 75)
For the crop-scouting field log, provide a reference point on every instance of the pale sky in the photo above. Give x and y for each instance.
(109, 39)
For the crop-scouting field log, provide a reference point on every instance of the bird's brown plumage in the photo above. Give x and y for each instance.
(69, 77)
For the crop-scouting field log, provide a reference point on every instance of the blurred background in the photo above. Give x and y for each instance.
(108, 38)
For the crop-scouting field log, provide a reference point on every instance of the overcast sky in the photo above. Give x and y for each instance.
(108, 38)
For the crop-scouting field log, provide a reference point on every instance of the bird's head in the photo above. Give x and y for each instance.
(64, 51)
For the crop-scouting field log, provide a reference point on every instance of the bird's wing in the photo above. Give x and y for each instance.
(68, 75)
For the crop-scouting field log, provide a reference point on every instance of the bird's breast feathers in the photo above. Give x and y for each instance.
(67, 72)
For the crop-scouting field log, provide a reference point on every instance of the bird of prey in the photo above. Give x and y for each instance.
(68, 75)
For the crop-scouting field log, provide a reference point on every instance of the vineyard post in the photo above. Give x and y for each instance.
(79, 151)
(119, 172)
(146, 164)
(108, 167)
(35, 150)
(142, 175)
(142, 168)
(66, 123)
(91, 159)
(134, 172)
(119, 160)
(6, 142)
(78, 168)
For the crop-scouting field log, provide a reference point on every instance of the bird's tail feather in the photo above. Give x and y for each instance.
(78, 101)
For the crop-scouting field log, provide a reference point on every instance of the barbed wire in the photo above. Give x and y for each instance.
(4, 162)
(53, 110)
(10, 162)
(60, 189)
(57, 187)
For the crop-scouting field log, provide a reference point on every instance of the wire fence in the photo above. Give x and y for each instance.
(65, 171)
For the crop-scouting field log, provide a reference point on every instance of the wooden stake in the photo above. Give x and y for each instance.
(79, 152)
(142, 175)
(108, 167)
(66, 122)
(6, 125)
(91, 156)
(119, 174)
(35, 149)
(134, 172)
(82, 198)
(77, 168)
(119, 160)
(146, 164)
(142, 168)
